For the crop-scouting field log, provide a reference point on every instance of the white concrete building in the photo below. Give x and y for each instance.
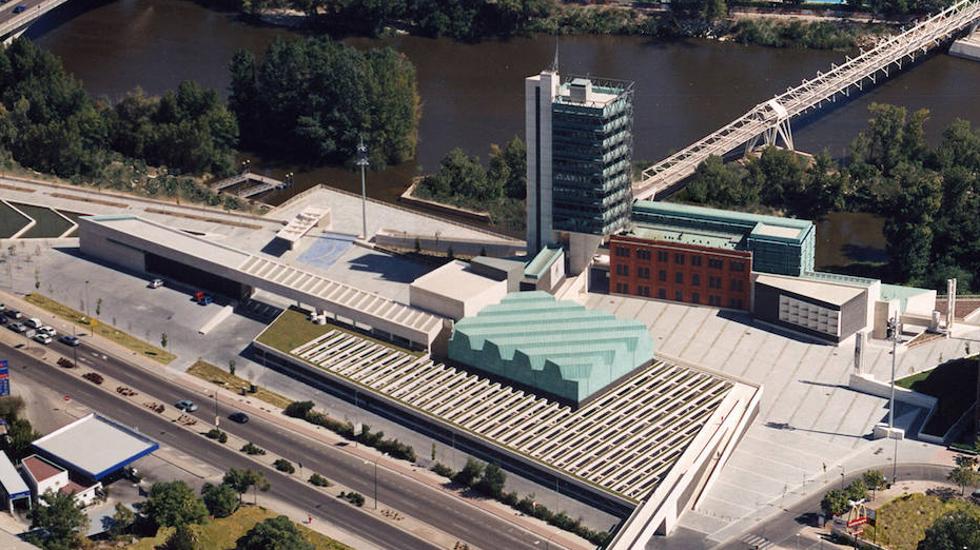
(455, 291)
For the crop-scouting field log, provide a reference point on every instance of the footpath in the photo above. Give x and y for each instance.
(328, 440)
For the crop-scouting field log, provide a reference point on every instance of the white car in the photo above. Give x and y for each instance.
(156, 283)
(34, 322)
(43, 339)
(50, 331)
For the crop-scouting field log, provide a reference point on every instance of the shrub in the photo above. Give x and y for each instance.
(319, 481)
(220, 500)
(93, 377)
(252, 449)
(357, 499)
(510, 499)
(215, 433)
(470, 473)
(526, 504)
(298, 409)
(284, 465)
(443, 470)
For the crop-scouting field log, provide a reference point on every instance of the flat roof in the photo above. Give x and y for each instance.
(279, 278)
(713, 239)
(40, 468)
(542, 261)
(754, 224)
(454, 280)
(770, 230)
(10, 479)
(825, 292)
(302, 223)
(95, 446)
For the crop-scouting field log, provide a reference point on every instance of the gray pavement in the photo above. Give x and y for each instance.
(809, 420)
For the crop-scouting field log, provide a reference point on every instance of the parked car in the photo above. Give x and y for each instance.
(185, 405)
(49, 330)
(70, 340)
(20, 9)
(34, 323)
(17, 327)
(42, 338)
(239, 417)
(12, 313)
(3, 319)
(156, 283)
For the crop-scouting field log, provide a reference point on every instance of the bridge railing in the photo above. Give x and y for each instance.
(810, 94)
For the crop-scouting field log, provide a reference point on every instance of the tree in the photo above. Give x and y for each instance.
(857, 490)
(874, 480)
(122, 519)
(221, 500)
(834, 503)
(492, 481)
(965, 475)
(163, 340)
(278, 533)
(181, 539)
(20, 435)
(242, 480)
(953, 531)
(470, 473)
(62, 519)
(909, 227)
(173, 503)
(11, 407)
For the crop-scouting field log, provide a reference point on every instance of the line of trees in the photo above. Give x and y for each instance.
(928, 195)
(313, 100)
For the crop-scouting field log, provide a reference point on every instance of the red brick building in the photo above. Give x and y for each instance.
(680, 272)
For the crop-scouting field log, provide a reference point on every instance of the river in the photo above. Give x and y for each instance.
(473, 93)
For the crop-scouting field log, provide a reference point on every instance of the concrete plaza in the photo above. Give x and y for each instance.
(810, 425)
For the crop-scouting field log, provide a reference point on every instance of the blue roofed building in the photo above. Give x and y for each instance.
(553, 348)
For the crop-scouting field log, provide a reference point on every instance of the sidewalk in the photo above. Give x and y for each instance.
(555, 536)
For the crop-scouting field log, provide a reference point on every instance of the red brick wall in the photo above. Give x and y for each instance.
(628, 264)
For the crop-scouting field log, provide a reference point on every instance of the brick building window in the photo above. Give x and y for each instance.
(735, 303)
(714, 300)
(622, 252)
(678, 295)
(643, 272)
(662, 275)
(622, 288)
(643, 254)
(696, 261)
(679, 278)
(736, 284)
(736, 266)
(695, 298)
(662, 293)
(662, 256)
(714, 282)
(623, 270)
(695, 279)
(644, 291)
(679, 259)
(715, 264)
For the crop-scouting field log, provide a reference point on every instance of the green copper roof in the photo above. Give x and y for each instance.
(900, 293)
(758, 225)
(560, 348)
(542, 261)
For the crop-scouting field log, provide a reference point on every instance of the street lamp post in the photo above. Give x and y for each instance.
(362, 161)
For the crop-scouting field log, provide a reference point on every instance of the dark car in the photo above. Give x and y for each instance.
(239, 417)
(20, 9)
(12, 313)
(3, 319)
(70, 340)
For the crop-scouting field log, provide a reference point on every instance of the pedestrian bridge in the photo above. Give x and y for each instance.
(769, 121)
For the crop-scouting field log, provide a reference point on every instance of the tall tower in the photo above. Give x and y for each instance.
(579, 136)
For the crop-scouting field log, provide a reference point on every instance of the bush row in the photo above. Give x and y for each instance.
(392, 447)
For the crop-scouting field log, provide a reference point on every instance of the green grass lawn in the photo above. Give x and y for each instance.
(221, 534)
(211, 373)
(902, 522)
(953, 383)
(102, 329)
(292, 330)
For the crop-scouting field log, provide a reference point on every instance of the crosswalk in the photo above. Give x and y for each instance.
(757, 542)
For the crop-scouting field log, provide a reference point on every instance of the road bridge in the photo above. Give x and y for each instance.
(769, 122)
(13, 24)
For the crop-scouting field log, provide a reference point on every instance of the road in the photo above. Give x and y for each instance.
(424, 503)
(282, 487)
(782, 529)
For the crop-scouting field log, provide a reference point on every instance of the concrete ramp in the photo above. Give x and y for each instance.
(216, 319)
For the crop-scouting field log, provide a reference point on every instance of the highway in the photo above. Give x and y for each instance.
(424, 503)
(282, 487)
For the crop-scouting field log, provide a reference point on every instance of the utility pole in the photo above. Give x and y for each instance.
(362, 161)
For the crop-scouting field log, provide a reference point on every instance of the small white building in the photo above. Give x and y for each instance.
(11, 483)
(455, 291)
(43, 476)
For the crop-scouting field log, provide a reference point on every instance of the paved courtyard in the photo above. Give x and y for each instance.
(810, 424)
